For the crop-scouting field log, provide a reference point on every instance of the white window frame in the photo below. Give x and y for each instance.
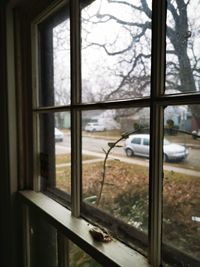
(157, 102)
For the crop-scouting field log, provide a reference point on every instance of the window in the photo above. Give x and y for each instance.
(102, 77)
(146, 142)
(136, 141)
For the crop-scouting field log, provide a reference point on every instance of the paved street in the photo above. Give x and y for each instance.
(95, 147)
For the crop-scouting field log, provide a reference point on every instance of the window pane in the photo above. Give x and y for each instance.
(116, 49)
(181, 185)
(55, 58)
(78, 258)
(115, 177)
(55, 151)
(183, 42)
(43, 242)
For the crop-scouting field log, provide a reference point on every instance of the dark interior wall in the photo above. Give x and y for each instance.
(10, 241)
(5, 208)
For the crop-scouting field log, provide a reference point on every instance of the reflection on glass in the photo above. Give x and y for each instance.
(78, 258)
(55, 150)
(181, 184)
(182, 50)
(116, 49)
(115, 175)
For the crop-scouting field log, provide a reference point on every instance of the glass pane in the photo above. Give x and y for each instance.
(43, 242)
(55, 55)
(181, 185)
(78, 258)
(116, 50)
(115, 175)
(55, 151)
(183, 42)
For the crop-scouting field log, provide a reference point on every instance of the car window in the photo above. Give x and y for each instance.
(136, 140)
(146, 142)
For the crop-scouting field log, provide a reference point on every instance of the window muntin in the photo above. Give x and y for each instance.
(116, 51)
(181, 181)
(182, 51)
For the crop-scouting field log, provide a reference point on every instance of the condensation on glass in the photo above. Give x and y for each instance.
(115, 170)
(182, 47)
(116, 50)
(181, 182)
(55, 151)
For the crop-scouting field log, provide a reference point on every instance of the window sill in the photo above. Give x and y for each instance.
(113, 253)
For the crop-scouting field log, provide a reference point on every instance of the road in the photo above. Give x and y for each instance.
(95, 146)
(91, 144)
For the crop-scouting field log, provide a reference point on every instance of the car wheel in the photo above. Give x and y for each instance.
(129, 152)
(165, 158)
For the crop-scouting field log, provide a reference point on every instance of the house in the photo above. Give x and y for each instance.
(105, 118)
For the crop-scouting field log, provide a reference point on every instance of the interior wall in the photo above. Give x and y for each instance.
(5, 208)
(10, 235)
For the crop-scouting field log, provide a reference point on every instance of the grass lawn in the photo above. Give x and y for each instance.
(112, 134)
(183, 139)
(66, 158)
(125, 195)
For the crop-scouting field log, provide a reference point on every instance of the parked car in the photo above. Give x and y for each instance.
(138, 144)
(94, 127)
(59, 136)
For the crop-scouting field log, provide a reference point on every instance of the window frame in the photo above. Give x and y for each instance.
(157, 101)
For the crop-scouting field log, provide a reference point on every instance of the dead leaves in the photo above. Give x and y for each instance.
(100, 235)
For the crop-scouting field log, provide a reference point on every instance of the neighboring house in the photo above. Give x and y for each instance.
(180, 115)
(105, 118)
(130, 122)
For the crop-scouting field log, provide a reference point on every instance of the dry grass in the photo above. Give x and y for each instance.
(66, 158)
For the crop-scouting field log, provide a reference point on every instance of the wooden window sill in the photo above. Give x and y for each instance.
(113, 253)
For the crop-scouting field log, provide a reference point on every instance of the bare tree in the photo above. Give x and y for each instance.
(61, 61)
(116, 49)
(132, 65)
(124, 44)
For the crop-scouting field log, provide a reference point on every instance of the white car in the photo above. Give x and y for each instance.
(59, 136)
(94, 127)
(138, 144)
